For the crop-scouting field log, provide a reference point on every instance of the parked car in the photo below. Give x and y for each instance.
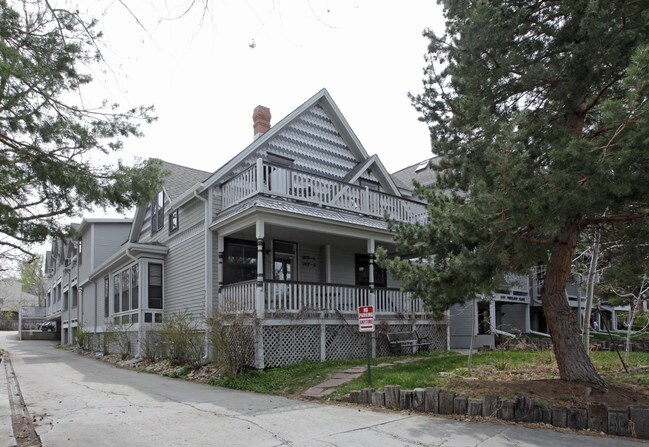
(48, 326)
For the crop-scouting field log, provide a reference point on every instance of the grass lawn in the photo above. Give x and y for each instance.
(501, 373)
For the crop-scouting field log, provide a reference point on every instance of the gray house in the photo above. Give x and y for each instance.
(284, 233)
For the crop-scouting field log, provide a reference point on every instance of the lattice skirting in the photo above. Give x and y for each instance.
(285, 345)
(290, 344)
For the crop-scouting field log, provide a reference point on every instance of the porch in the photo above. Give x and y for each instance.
(294, 185)
(273, 298)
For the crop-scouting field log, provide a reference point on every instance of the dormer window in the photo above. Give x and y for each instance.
(157, 213)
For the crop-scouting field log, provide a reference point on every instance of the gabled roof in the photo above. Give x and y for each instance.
(181, 178)
(322, 98)
(179, 181)
(379, 172)
(421, 172)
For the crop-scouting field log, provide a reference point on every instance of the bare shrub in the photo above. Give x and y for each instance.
(232, 342)
(117, 336)
(183, 339)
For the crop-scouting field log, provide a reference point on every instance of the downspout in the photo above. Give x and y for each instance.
(140, 321)
(208, 294)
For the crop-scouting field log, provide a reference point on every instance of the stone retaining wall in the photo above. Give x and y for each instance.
(632, 422)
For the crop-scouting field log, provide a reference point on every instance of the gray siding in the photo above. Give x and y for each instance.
(184, 279)
(512, 317)
(185, 264)
(109, 238)
(310, 264)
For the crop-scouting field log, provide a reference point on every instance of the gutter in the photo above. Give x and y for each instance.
(207, 290)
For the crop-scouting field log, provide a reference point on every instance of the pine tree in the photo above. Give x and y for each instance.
(538, 111)
(50, 139)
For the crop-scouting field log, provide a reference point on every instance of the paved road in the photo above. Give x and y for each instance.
(80, 401)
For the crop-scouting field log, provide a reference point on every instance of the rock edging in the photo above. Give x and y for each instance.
(631, 422)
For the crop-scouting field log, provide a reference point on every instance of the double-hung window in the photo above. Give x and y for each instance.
(157, 213)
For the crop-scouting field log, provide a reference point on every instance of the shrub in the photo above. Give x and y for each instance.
(117, 336)
(232, 342)
(183, 339)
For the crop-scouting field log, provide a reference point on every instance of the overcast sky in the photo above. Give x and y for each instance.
(206, 78)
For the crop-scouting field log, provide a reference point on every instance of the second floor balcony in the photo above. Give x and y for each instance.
(290, 184)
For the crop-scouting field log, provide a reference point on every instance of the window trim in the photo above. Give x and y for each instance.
(174, 214)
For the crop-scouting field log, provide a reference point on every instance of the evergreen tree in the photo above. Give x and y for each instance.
(538, 111)
(50, 139)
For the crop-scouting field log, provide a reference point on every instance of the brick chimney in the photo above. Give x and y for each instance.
(261, 121)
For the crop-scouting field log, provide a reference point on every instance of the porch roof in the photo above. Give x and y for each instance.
(302, 210)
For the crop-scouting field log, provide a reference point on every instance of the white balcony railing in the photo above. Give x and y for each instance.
(279, 181)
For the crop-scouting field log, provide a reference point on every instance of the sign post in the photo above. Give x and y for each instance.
(366, 324)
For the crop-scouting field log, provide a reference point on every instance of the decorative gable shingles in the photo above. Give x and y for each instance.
(313, 142)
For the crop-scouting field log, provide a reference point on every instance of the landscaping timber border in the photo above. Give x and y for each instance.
(631, 422)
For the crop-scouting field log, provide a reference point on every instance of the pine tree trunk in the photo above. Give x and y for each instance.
(572, 359)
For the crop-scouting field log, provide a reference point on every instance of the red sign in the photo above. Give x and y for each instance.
(366, 318)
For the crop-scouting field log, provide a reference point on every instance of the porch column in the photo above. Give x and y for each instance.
(372, 297)
(220, 247)
(528, 325)
(492, 316)
(260, 175)
(370, 251)
(259, 304)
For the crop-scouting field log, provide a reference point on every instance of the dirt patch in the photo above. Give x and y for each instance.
(551, 392)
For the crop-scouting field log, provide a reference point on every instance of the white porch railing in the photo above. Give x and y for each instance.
(279, 181)
(294, 297)
(239, 297)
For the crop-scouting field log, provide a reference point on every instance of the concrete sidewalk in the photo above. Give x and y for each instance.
(6, 430)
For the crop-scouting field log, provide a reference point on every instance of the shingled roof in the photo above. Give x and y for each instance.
(181, 178)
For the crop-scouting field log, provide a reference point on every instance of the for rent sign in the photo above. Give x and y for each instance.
(366, 318)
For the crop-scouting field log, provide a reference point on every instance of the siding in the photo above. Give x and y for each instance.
(313, 142)
(461, 319)
(512, 317)
(185, 264)
(108, 239)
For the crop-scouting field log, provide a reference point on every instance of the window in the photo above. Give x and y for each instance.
(126, 290)
(173, 221)
(372, 186)
(155, 286)
(423, 165)
(79, 251)
(279, 159)
(116, 291)
(284, 261)
(75, 296)
(363, 272)
(240, 261)
(65, 300)
(157, 213)
(135, 286)
(106, 297)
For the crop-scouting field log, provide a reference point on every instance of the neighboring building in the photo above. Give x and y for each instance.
(284, 233)
(517, 310)
(12, 298)
(70, 298)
